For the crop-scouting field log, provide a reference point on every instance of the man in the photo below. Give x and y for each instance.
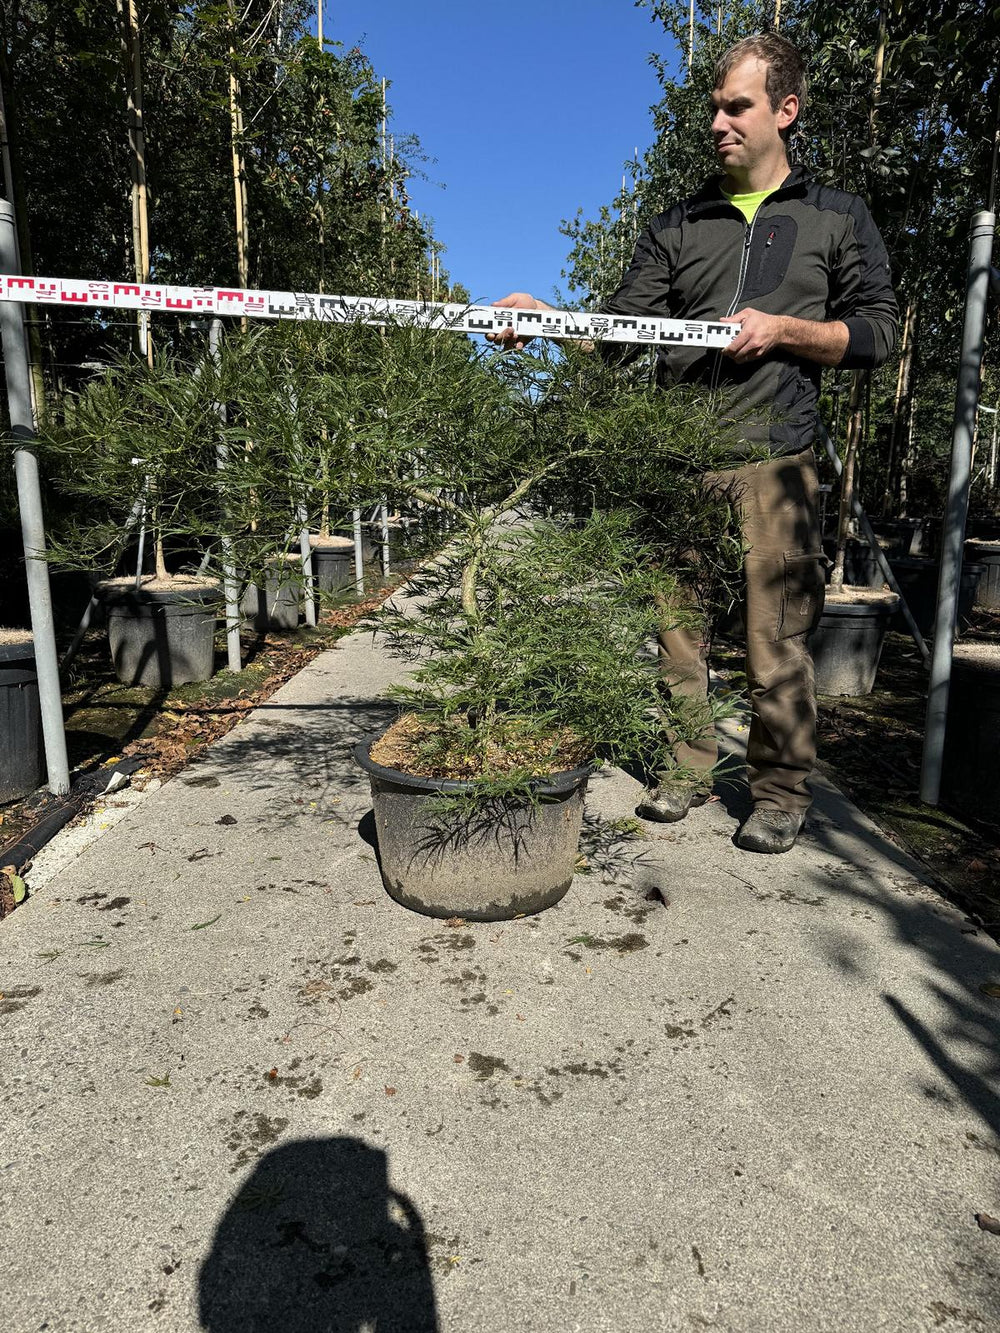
(803, 271)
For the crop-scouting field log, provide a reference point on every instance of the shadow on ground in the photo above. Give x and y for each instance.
(317, 1241)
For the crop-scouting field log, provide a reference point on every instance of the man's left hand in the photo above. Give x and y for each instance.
(758, 335)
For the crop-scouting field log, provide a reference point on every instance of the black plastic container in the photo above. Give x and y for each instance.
(506, 859)
(846, 645)
(22, 755)
(161, 637)
(333, 566)
(917, 577)
(970, 778)
(987, 554)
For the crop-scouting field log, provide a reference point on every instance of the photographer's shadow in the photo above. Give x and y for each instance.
(317, 1241)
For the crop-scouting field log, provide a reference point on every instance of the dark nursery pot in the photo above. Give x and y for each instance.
(277, 605)
(987, 554)
(970, 777)
(22, 756)
(509, 858)
(333, 563)
(917, 577)
(846, 644)
(161, 634)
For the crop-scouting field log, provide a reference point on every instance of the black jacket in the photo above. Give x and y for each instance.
(811, 252)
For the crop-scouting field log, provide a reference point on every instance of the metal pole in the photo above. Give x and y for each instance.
(230, 583)
(29, 499)
(305, 546)
(885, 568)
(957, 507)
(359, 554)
(383, 514)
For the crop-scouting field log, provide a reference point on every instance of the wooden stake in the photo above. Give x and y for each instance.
(132, 57)
(239, 169)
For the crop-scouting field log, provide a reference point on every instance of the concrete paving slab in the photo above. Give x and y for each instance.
(244, 1090)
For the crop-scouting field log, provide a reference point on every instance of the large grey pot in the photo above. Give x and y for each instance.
(509, 858)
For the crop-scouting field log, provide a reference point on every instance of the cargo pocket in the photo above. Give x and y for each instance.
(802, 593)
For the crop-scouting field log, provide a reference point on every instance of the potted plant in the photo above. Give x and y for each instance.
(137, 450)
(529, 636)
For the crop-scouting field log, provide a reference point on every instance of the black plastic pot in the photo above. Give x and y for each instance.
(846, 645)
(277, 605)
(22, 755)
(987, 554)
(161, 637)
(508, 858)
(333, 566)
(917, 577)
(970, 778)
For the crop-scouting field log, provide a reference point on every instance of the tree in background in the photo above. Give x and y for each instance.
(326, 202)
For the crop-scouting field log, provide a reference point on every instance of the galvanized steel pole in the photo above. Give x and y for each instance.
(957, 508)
(230, 582)
(29, 499)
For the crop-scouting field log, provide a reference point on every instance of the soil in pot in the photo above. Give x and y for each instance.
(484, 860)
(162, 633)
(970, 777)
(847, 642)
(277, 605)
(22, 756)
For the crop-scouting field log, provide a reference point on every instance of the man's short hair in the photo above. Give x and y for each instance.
(786, 70)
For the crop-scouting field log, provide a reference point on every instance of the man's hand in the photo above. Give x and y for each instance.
(759, 335)
(508, 338)
(815, 340)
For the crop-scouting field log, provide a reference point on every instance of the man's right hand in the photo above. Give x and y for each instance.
(508, 338)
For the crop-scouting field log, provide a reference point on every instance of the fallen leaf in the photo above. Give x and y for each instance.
(227, 819)
(987, 1223)
(390, 1092)
(990, 988)
(455, 921)
(364, 902)
(202, 924)
(520, 1017)
(271, 1073)
(976, 866)
(357, 1072)
(459, 1059)
(154, 1082)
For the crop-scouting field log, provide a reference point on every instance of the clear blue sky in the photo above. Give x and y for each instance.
(529, 108)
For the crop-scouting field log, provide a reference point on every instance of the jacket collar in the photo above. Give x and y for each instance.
(710, 196)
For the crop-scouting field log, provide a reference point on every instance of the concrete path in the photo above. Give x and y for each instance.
(242, 1090)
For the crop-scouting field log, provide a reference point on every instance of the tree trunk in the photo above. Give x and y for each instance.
(132, 57)
(239, 166)
(14, 181)
(855, 421)
(901, 406)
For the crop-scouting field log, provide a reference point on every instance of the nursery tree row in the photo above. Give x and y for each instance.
(902, 109)
(224, 88)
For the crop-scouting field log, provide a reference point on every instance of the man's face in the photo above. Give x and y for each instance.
(745, 129)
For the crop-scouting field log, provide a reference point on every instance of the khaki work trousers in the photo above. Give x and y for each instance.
(776, 503)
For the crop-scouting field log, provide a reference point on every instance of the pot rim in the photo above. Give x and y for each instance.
(557, 784)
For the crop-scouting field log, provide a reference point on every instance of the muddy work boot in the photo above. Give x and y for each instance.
(770, 830)
(667, 804)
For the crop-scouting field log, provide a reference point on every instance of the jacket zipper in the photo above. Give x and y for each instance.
(740, 281)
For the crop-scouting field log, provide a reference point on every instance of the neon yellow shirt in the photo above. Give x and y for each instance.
(748, 203)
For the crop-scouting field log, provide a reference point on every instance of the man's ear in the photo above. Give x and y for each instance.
(788, 111)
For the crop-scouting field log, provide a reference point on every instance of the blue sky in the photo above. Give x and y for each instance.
(529, 109)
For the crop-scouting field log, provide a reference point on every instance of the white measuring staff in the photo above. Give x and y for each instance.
(645, 329)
